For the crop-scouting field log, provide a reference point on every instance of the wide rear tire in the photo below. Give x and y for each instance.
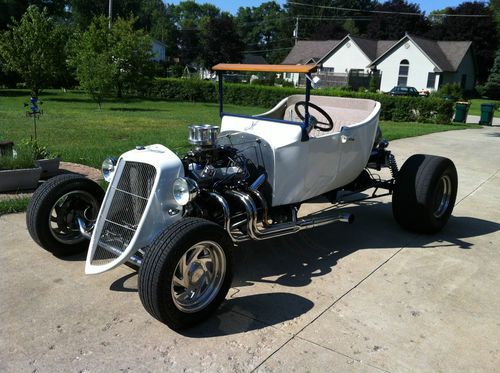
(425, 192)
(52, 211)
(186, 272)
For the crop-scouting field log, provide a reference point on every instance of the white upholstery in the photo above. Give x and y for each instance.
(343, 111)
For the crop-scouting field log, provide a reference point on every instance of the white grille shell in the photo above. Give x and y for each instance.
(156, 213)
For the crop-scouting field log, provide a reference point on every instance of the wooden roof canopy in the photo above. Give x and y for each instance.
(305, 69)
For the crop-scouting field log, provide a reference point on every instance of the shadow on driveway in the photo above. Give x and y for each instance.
(295, 260)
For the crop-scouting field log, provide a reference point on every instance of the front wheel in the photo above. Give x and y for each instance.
(52, 213)
(186, 272)
(425, 193)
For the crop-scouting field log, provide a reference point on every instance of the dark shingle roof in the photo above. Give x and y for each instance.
(454, 51)
(305, 50)
(249, 58)
(383, 46)
(368, 46)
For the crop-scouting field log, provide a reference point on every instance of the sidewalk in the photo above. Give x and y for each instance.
(474, 119)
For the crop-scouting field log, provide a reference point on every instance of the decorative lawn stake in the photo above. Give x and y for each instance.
(34, 111)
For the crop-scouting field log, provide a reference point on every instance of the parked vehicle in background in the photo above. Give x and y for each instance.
(404, 91)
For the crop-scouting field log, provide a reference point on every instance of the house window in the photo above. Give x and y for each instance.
(431, 80)
(404, 67)
(328, 70)
(356, 72)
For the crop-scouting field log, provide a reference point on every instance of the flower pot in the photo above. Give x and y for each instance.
(22, 179)
(50, 167)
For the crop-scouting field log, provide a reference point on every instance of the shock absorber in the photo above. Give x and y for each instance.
(393, 166)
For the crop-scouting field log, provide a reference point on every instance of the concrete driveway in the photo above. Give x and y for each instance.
(364, 297)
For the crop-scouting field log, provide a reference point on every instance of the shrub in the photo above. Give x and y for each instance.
(421, 109)
(450, 90)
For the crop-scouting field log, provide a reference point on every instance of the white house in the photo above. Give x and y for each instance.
(158, 48)
(411, 61)
(426, 64)
(353, 53)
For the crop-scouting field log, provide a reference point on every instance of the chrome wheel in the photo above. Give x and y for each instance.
(442, 196)
(62, 219)
(198, 276)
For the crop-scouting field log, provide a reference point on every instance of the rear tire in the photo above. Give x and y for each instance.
(425, 193)
(186, 272)
(52, 211)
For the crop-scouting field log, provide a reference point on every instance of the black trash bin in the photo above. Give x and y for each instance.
(487, 111)
(461, 110)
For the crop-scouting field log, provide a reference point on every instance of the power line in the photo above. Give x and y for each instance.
(267, 50)
(385, 11)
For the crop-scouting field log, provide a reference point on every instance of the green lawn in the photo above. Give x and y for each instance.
(74, 127)
(475, 106)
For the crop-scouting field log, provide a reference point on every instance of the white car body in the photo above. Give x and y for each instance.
(297, 170)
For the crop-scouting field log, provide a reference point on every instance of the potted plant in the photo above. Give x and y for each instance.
(45, 159)
(18, 170)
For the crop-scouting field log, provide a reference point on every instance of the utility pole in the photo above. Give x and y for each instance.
(296, 30)
(110, 13)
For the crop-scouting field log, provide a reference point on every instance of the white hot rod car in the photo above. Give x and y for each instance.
(177, 220)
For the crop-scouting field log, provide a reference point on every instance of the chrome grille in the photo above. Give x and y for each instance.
(129, 199)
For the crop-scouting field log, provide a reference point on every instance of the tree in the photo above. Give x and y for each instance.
(111, 60)
(92, 59)
(330, 16)
(394, 26)
(265, 28)
(34, 48)
(481, 31)
(131, 56)
(220, 46)
(16, 8)
(492, 86)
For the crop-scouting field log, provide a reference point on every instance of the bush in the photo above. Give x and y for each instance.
(450, 90)
(406, 109)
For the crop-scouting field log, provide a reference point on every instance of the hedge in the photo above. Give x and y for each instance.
(399, 109)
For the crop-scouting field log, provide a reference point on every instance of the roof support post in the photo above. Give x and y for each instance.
(305, 125)
(219, 78)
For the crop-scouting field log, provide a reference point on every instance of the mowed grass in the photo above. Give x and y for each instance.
(73, 126)
(400, 130)
(475, 106)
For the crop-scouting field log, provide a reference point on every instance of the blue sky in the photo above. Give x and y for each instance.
(233, 5)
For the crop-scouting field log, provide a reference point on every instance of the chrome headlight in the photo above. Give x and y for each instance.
(108, 168)
(185, 190)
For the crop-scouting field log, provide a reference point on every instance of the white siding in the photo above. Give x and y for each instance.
(420, 66)
(466, 67)
(158, 50)
(347, 58)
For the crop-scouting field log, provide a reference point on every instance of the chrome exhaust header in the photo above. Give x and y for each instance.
(267, 231)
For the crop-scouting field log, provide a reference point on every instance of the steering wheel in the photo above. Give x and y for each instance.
(326, 126)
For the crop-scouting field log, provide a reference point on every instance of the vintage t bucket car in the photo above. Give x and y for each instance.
(177, 219)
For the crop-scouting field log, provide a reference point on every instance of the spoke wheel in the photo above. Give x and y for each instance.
(186, 272)
(198, 276)
(52, 213)
(63, 214)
